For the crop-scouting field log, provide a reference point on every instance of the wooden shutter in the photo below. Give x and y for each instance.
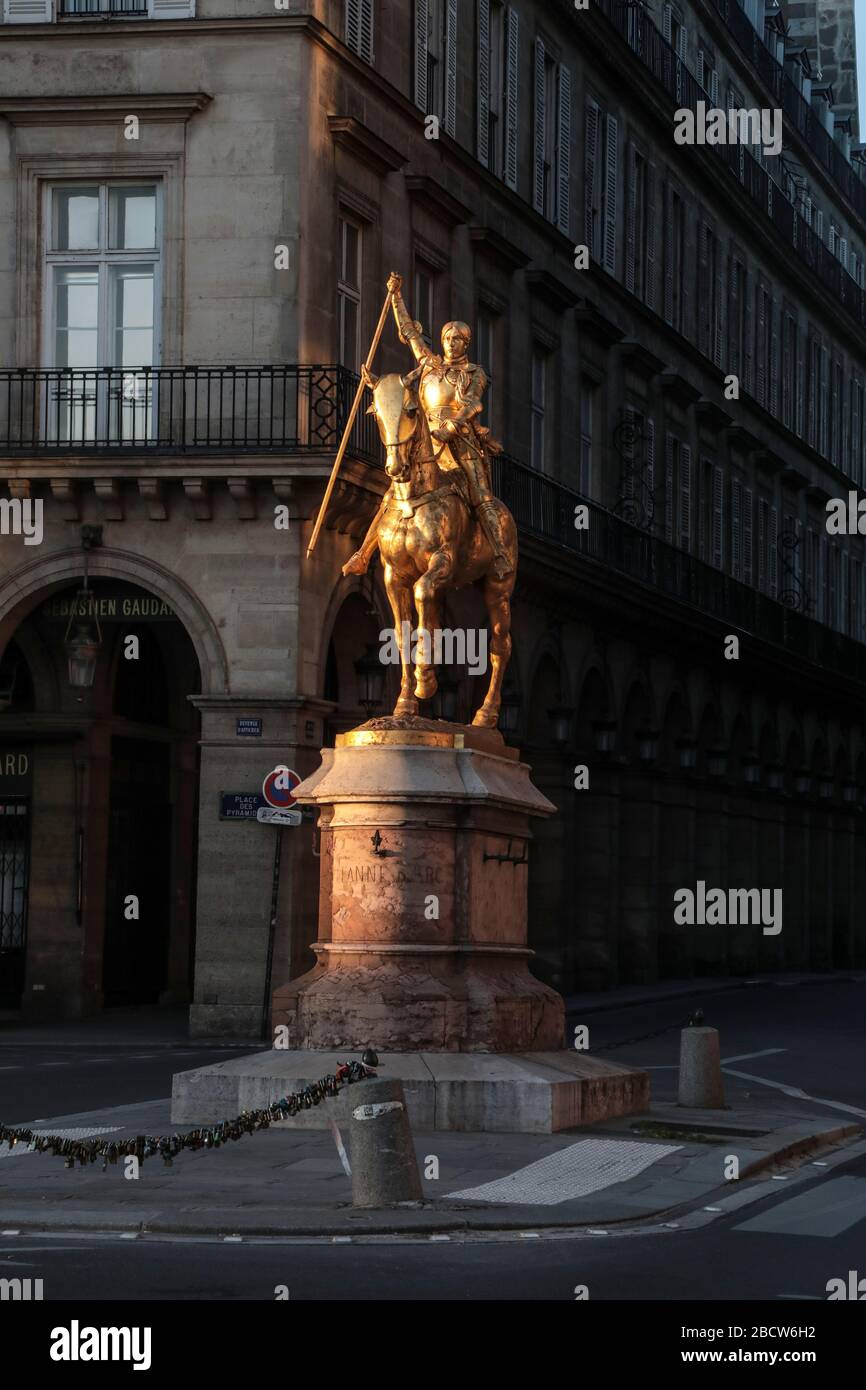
(773, 551)
(450, 120)
(669, 243)
(650, 258)
(669, 486)
(686, 497)
(482, 128)
(736, 532)
(824, 402)
(800, 403)
(563, 152)
(762, 543)
(666, 23)
(856, 457)
(704, 300)
(748, 509)
(539, 133)
(682, 43)
(719, 326)
(761, 346)
(700, 72)
(733, 315)
(612, 135)
(774, 359)
(718, 517)
(650, 459)
(631, 206)
(422, 27)
(156, 9)
(843, 593)
(512, 31)
(747, 332)
(590, 174)
(714, 87)
(366, 49)
(40, 11)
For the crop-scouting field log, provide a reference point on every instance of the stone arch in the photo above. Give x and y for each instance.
(368, 592)
(21, 590)
(676, 725)
(638, 711)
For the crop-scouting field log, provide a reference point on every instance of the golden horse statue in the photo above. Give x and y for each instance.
(431, 542)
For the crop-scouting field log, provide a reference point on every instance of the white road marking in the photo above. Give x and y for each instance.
(582, 1168)
(795, 1092)
(744, 1056)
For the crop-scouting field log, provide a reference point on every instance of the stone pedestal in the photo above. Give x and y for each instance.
(423, 919)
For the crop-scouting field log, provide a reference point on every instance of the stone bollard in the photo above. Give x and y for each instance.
(384, 1166)
(701, 1086)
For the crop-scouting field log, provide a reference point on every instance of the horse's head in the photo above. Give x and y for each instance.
(398, 415)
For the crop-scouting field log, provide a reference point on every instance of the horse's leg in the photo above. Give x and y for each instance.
(400, 599)
(497, 596)
(427, 594)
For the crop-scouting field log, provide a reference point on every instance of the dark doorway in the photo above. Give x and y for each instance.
(135, 959)
(14, 865)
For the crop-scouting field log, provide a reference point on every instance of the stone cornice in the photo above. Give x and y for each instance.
(361, 142)
(102, 110)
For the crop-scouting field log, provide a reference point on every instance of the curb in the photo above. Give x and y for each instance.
(696, 987)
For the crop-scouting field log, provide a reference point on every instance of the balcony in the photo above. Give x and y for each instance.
(650, 47)
(181, 410)
(544, 508)
(101, 9)
(792, 102)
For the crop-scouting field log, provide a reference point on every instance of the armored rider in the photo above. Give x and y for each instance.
(450, 390)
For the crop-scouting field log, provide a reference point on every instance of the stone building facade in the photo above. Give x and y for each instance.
(200, 202)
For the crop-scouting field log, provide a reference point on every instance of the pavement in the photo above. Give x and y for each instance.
(287, 1182)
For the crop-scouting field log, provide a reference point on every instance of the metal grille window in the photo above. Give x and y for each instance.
(14, 874)
(102, 294)
(349, 295)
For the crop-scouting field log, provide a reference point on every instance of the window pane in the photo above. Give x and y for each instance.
(350, 255)
(132, 316)
(76, 219)
(75, 317)
(132, 218)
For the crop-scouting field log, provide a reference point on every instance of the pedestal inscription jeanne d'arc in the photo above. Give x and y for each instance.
(425, 826)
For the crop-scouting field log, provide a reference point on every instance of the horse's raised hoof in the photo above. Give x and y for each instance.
(485, 719)
(426, 684)
(405, 707)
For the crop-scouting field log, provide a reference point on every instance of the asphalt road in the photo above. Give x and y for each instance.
(722, 1261)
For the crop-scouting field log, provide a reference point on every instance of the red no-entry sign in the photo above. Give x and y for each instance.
(278, 786)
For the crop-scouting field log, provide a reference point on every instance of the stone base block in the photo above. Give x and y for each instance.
(528, 1093)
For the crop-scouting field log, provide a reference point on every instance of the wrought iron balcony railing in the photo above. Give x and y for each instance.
(297, 409)
(656, 54)
(101, 9)
(545, 509)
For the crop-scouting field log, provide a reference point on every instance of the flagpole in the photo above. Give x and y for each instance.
(344, 442)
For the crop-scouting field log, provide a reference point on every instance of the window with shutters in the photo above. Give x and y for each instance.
(538, 408)
(588, 389)
(491, 85)
(485, 352)
(707, 74)
(638, 228)
(359, 28)
(440, 54)
(423, 298)
(349, 295)
(789, 370)
(601, 148)
(685, 491)
(674, 30)
(101, 272)
(674, 258)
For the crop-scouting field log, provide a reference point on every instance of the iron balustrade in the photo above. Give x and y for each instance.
(650, 46)
(545, 509)
(297, 409)
(100, 9)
